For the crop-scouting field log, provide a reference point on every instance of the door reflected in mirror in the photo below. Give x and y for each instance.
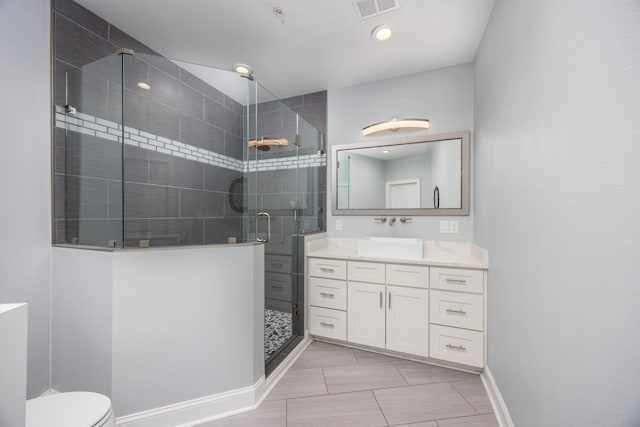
(420, 177)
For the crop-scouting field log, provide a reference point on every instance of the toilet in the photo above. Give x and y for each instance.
(70, 409)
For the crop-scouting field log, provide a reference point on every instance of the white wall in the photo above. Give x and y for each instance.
(13, 364)
(445, 162)
(367, 187)
(81, 320)
(25, 171)
(443, 96)
(413, 167)
(157, 327)
(187, 323)
(557, 204)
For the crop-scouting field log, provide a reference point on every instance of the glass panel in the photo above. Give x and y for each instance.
(311, 178)
(183, 153)
(285, 185)
(274, 200)
(88, 155)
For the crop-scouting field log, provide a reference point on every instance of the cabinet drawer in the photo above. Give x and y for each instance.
(278, 263)
(456, 345)
(371, 272)
(324, 322)
(454, 279)
(457, 309)
(278, 286)
(328, 293)
(328, 268)
(408, 275)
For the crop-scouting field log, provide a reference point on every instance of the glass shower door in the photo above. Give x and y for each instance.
(274, 201)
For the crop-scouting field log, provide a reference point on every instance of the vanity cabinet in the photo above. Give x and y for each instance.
(328, 298)
(407, 320)
(427, 311)
(366, 314)
(457, 315)
(383, 314)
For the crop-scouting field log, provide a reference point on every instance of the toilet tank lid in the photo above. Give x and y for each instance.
(70, 409)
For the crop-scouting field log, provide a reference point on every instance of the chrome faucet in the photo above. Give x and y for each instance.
(392, 220)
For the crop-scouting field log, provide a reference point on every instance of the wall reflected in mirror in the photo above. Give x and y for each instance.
(429, 176)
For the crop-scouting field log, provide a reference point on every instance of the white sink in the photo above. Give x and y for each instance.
(390, 247)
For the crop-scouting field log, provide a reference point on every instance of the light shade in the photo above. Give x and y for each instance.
(244, 70)
(395, 124)
(268, 141)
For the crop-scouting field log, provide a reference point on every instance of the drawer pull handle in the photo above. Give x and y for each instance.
(380, 299)
(449, 310)
(327, 270)
(389, 300)
(324, 294)
(327, 325)
(457, 281)
(276, 287)
(457, 347)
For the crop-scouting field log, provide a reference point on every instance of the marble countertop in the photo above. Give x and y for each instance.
(436, 253)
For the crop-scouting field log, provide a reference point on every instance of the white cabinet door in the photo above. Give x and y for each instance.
(365, 314)
(408, 320)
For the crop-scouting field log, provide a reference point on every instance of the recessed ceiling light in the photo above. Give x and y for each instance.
(144, 85)
(244, 70)
(386, 151)
(381, 33)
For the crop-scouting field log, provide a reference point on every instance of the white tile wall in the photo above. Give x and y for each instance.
(111, 131)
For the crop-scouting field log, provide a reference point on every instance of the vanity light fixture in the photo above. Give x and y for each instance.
(143, 85)
(396, 124)
(244, 70)
(381, 33)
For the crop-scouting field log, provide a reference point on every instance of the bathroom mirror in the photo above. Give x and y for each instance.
(402, 176)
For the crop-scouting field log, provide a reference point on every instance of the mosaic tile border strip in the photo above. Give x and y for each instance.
(111, 131)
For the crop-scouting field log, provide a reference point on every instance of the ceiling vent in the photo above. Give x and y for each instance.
(369, 8)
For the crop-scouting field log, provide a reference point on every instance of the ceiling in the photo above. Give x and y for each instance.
(318, 44)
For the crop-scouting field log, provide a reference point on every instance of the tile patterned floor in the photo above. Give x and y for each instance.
(331, 385)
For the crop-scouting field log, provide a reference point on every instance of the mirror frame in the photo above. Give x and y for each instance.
(387, 141)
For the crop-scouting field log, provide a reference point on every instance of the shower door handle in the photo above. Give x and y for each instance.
(266, 215)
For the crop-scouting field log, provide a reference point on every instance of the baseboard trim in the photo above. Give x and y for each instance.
(209, 408)
(282, 368)
(196, 411)
(499, 406)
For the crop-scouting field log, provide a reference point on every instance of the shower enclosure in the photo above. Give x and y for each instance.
(152, 153)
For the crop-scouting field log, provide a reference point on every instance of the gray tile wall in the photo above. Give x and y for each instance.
(167, 200)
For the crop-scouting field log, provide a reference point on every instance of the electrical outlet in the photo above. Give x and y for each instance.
(453, 227)
(338, 225)
(444, 226)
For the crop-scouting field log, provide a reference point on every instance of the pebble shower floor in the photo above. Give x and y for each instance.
(277, 330)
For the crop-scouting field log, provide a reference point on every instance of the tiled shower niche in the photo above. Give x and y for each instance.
(168, 165)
